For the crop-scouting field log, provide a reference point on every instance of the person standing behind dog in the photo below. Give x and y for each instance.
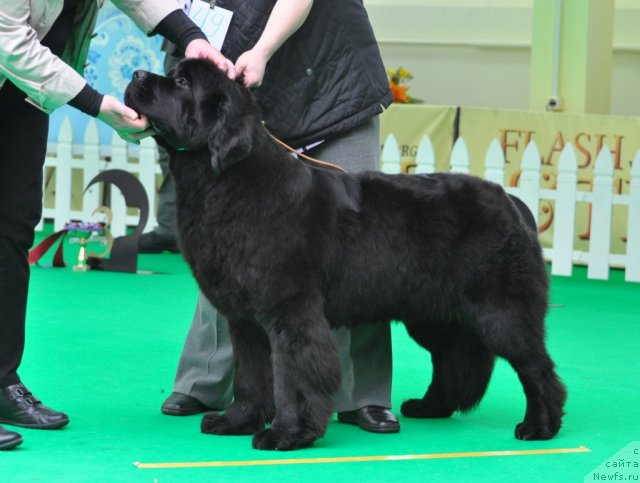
(320, 81)
(43, 48)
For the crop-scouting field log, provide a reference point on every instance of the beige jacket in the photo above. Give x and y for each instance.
(49, 81)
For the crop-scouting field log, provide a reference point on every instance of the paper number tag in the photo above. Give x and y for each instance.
(214, 23)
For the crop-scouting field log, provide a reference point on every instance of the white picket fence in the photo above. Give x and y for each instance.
(90, 160)
(562, 254)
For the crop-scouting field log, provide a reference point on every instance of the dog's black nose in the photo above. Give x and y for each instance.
(139, 75)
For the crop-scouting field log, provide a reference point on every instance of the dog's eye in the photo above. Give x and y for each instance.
(182, 82)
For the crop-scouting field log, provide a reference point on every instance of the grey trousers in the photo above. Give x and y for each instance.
(205, 370)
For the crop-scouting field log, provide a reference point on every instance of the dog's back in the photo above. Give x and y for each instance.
(442, 241)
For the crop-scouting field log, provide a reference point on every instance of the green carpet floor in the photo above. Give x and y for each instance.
(104, 347)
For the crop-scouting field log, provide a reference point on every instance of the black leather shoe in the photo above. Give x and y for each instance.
(19, 407)
(374, 419)
(183, 405)
(153, 243)
(9, 439)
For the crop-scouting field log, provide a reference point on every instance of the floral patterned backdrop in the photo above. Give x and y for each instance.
(117, 50)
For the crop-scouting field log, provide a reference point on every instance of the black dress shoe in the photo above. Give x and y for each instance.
(153, 243)
(183, 405)
(19, 407)
(375, 419)
(9, 439)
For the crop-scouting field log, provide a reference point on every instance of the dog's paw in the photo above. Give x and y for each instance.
(215, 423)
(529, 431)
(278, 440)
(421, 408)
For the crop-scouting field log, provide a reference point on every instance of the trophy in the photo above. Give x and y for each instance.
(123, 251)
(86, 232)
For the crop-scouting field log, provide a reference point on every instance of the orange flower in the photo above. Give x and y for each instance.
(399, 93)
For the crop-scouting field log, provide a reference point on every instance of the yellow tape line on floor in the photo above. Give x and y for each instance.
(360, 459)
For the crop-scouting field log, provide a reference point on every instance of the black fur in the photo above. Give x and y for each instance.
(287, 250)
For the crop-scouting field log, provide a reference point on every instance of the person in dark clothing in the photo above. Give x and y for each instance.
(317, 74)
(43, 49)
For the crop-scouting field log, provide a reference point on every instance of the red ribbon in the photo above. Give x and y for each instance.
(41, 248)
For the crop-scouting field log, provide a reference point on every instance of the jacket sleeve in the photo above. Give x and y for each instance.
(45, 78)
(147, 14)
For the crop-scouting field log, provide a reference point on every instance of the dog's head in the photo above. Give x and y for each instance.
(195, 107)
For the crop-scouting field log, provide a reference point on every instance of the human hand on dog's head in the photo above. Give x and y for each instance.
(129, 125)
(250, 67)
(201, 49)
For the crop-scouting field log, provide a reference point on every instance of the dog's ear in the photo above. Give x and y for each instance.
(229, 146)
(230, 141)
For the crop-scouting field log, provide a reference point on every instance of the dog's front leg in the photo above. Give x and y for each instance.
(306, 375)
(252, 407)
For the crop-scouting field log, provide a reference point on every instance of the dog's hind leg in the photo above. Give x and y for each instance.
(521, 343)
(545, 395)
(252, 407)
(306, 375)
(462, 367)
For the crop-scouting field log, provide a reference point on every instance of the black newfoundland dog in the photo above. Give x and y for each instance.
(286, 251)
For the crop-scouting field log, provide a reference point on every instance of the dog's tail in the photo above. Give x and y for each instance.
(479, 367)
(462, 368)
(468, 365)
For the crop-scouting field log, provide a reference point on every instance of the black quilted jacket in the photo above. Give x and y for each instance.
(325, 79)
